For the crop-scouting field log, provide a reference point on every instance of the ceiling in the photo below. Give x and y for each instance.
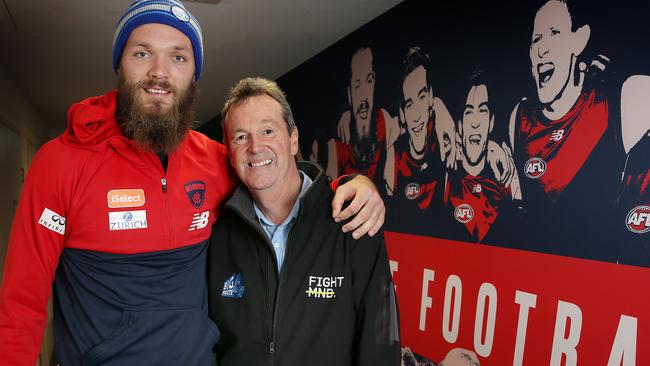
(59, 51)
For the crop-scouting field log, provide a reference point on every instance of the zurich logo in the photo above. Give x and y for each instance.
(127, 216)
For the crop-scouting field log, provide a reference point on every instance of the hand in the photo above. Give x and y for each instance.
(343, 128)
(501, 162)
(460, 157)
(446, 133)
(366, 204)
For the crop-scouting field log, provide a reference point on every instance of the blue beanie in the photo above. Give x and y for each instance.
(168, 12)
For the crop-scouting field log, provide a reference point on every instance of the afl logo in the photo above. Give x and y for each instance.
(638, 220)
(464, 213)
(535, 168)
(412, 191)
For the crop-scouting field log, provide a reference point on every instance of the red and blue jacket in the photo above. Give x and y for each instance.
(124, 243)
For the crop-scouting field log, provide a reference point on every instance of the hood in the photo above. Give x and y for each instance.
(93, 121)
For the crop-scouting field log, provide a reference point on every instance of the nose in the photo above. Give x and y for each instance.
(542, 48)
(254, 144)
(158, 69)
(475, 123)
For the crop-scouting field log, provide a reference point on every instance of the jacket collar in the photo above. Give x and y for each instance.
(242, 201)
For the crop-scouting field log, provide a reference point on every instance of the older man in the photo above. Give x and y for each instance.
(286, 285)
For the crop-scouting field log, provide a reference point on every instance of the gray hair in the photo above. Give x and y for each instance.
(254, 86)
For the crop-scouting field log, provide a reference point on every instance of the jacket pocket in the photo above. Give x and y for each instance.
(157, 337)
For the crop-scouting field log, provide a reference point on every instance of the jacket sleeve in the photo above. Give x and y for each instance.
(35, 244)
(377, 317)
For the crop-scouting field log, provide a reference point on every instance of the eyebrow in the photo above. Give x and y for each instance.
(483, 104)
(148, 45)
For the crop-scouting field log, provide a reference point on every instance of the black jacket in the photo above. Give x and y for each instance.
(333, 303)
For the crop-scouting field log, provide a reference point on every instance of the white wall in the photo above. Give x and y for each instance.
(21, 133)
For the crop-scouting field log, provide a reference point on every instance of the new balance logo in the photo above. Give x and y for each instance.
(200, 220)
(556, 135)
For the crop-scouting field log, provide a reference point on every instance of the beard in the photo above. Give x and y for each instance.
(158, 128)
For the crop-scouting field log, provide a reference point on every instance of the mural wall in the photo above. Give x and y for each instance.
(511, 142)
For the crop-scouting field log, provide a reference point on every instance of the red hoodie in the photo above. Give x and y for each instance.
(91, 189)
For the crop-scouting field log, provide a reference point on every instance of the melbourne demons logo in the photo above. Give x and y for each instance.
(464, 213)
(196, 193)
(535, 168)
(412, 191)
(638, 220)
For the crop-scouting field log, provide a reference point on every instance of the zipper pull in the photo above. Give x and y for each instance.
(164, 184)
(271, 347)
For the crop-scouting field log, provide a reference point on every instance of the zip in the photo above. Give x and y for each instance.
(261, 232)
(277, 292)
(165, 216)
(255, 225)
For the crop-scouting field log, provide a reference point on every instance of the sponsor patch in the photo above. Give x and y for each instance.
(233, 287)
(464, 213)
(320, 287)
(180, 14)
(196, 193)
(127, 220)
(412, 191)
(121, 198)
(52, 221)
(556, 135)
(535, 168)
(638, 219)
(200, 220)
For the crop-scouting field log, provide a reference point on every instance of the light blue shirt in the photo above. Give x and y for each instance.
(278, 234)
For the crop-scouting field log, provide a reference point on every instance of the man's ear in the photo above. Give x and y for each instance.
(581, 38)
(294, 141)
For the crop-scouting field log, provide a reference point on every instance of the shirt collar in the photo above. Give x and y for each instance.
(306, 183)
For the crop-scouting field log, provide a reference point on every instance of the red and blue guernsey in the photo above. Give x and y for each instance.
(124, 242)
(569, 170)
(419, 188)
(476, 204)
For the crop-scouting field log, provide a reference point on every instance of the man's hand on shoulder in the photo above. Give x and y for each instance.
(366, 206)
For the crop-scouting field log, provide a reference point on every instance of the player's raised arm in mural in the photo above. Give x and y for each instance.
(635, 110)
(446, 133)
